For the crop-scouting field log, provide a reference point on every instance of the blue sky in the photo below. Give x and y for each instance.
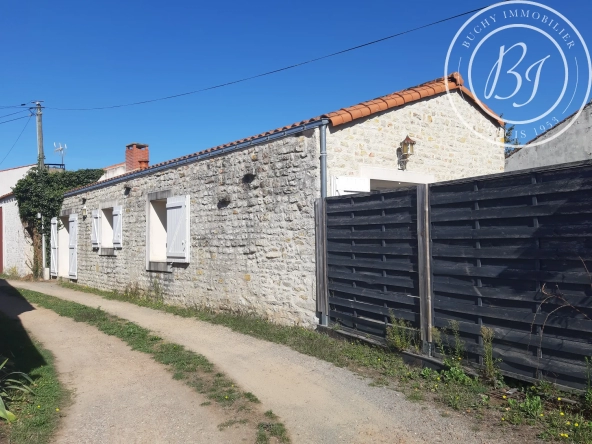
(87, 54)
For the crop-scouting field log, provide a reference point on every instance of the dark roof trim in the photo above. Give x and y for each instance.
(199, 156)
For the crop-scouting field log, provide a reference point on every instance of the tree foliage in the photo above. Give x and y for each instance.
(509, 140)
(42, 192)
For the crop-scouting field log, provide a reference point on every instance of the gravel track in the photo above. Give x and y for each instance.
(119, 395)
(318, 402)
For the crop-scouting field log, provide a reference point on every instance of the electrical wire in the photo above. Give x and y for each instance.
(12, 114)
(12, 106)
(12, 120)
(17, 139)
(271, 72)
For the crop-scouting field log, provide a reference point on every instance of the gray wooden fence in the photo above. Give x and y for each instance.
(510, 252)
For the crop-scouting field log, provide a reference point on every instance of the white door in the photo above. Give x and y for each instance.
(53, 242)
(73, 247)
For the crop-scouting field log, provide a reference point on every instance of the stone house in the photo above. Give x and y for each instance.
(232, 227)
(574, 145)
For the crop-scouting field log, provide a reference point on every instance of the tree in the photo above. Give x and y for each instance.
(509, 140)
(42, 192)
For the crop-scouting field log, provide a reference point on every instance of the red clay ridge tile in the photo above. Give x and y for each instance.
(409, 95)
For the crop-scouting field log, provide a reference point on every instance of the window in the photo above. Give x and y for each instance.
(158, 231)
(107, 229)
(168, 230)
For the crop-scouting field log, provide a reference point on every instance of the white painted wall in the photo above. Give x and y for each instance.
(9, 178)
(113, 171)
(17, 249)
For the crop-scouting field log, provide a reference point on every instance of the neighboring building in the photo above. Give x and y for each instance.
(16, 250)
(232, 227)
(10, 176)
(572, 146)
(137, 157)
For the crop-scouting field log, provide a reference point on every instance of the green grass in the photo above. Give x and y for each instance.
(194, 369)
(37, 417)
(309, 342)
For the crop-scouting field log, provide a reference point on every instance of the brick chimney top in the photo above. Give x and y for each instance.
(137, 156)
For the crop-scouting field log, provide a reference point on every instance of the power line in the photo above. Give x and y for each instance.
(17, 139)
(12, 106)
(353, 48)
(12, 114)
(12, 120)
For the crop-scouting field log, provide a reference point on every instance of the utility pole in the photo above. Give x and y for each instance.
(40, 154)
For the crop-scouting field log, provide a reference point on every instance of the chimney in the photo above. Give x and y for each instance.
(136, 156)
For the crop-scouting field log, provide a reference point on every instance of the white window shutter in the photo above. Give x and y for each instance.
(73, 247)
(95, 232)
(178, 240)
(53, 259)
(350, 185)
(117, 227)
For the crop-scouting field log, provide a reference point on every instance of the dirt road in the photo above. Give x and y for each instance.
(119, 395)
(317, 402)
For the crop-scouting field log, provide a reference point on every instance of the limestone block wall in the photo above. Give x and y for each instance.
(17, 248)
(252, 241)
(445, 147)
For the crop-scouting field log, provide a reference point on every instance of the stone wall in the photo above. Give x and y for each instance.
(445, 148)
(252, 243)
(17, 249)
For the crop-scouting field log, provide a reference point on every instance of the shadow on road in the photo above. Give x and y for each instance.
(15, 343)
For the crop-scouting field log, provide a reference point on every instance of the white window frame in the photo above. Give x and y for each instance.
(107, 228)
(160, 207)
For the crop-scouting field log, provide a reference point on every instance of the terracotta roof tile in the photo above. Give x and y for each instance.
(343, 115)
(428, 89)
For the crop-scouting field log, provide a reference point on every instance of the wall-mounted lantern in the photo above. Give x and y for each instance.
(405, 151)
(84, 211)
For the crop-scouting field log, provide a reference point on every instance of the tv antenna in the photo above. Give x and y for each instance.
(60, 149)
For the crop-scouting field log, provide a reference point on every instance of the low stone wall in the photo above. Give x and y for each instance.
(252, 238)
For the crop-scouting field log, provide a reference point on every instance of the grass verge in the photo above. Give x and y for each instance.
(38, 413)
(194, 369)
(493, 407)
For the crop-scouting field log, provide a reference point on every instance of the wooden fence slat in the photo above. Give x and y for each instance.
(554, 231)
(391, 264)
(391, 296)
(391, 201)
(559, 186)
(563, 208)
(399, 218)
